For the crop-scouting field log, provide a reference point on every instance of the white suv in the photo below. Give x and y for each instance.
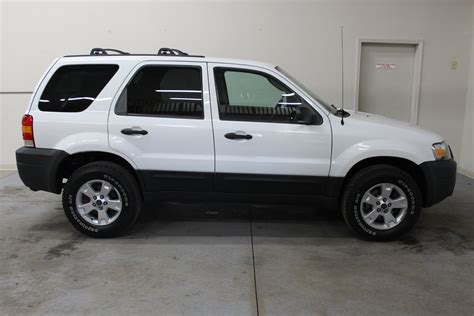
(112, 129)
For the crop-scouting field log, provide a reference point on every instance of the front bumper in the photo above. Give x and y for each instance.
(440, 178)
(38, 168)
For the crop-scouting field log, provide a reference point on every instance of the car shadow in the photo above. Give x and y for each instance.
(226, 219)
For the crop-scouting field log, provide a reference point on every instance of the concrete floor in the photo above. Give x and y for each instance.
(203, 259)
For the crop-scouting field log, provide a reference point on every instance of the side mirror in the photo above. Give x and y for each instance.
(305, 116)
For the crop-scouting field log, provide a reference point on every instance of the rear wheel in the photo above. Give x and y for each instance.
(102, 199)
(381, 202)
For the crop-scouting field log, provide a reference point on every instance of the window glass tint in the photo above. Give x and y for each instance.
(169, 91)
(327, 105)
(246, 95)
(251, 89)
(73, 88)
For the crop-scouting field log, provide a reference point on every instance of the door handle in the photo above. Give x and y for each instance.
(235, 136)
(129, 131)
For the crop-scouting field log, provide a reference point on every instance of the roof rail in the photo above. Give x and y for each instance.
(104, 51)
(164, 51)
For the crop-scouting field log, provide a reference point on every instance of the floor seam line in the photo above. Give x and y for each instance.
(253, 262)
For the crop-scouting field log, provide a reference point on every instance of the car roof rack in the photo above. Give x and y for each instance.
(164, 51)
(105, 51)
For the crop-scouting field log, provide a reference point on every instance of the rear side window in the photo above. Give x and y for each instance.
(165, 91)
(73, 88)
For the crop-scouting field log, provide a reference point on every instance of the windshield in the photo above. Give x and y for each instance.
(330, 108)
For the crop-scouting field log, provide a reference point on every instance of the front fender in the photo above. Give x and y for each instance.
(345, 158)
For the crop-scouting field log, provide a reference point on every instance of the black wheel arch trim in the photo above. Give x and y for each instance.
(44, 169)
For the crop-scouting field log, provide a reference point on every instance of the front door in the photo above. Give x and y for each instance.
(260, 147)
(162, 122)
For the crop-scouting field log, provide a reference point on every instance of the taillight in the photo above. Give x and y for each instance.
(27, 129)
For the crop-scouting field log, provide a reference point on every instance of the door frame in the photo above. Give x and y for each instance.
(415, 91)
(239, 169)
(173, 173)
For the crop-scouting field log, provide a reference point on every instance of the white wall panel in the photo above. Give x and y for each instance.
(301, 36)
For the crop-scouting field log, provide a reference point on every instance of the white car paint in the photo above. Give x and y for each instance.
(187, 145)
(365, 135)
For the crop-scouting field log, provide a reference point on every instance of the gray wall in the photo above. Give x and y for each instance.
(467, 147)
(301, 36)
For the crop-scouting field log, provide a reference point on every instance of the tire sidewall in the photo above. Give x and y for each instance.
(353, 212)
(129, 203)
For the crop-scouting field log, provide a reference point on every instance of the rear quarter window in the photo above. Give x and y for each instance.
(73, 88)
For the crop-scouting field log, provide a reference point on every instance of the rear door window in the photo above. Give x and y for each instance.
(73, 88)
(165, 91)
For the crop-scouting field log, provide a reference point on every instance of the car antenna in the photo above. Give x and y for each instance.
(340, 112)
(342, 75)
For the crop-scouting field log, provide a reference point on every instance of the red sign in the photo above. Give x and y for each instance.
(385, 66)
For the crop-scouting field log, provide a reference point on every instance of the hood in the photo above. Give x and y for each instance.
(374, 135)
(390, 128)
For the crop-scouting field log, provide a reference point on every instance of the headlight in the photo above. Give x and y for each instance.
(441, 151)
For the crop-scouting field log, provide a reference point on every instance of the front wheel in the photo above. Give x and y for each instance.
(102, 199)
(381, 202)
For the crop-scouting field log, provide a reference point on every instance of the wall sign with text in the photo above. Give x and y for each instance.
(385, 66)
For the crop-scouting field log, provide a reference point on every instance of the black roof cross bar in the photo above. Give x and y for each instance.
(171, 51)
(165, 51)
(105, 51)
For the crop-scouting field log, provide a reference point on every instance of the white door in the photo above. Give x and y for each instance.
(162, 122)
(386, 79)
(259, 146)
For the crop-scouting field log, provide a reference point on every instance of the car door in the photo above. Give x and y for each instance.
(260, 147)
(161, 121)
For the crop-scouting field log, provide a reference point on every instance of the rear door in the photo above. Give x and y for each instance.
(260, 148)
(161, 121)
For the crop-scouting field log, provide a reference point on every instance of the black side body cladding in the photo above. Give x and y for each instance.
(157, 181)
(256, 188)
(278, 184)
(440, 178)
(38, 168)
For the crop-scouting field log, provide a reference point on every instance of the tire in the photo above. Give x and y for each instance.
(372, 221)
(120, 203)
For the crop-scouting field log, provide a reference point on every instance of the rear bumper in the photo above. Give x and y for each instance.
(440, 178)
(38, 168)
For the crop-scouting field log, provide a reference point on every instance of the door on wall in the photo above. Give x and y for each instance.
(386, 79)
